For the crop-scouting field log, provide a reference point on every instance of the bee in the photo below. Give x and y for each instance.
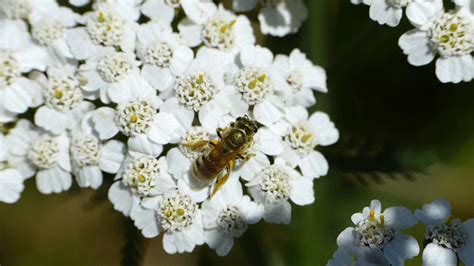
(217, 162)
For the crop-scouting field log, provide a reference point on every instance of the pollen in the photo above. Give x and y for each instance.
(101, 17)
(141, 178)
(133, 118)
(58, 94)
(372, 215)
(180, 212)
(444, 39)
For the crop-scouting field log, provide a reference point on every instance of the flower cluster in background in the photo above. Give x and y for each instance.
(376, 237)
(131, 88)
(444, 35)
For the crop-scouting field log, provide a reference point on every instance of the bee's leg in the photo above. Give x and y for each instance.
(219, 132)
(222, 180)
(245, 157)
(199, 144)
(213, 142)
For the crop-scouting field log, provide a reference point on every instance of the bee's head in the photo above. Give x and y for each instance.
(236, 138)
(248, 125)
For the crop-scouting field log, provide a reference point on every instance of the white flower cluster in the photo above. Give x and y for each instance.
(445, 35)
(376, 239)
(122, 90)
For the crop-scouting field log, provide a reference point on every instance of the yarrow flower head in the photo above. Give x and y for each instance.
(227, 216)
(41, 154)
(275, 185)
(446, 241)
(376, 236)
(64, 104)
(115, 84)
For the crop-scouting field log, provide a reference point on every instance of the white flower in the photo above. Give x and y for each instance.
(300, 135)
(18, 55)
(163, 56)
(115, 76)
(64, 106)
(139, 177)
(175, 214)
(146, 128)
(202, 89)
(277, 17)
(275, 185)
(220, 30)
(300, 77)
(49, 32)
(446, 242)
(255, 82)
(45, 155)
(450, 35)
(376, 235)
(11, 181)
(90, 156)
(227, 215)
(104, 29)
(390, 12)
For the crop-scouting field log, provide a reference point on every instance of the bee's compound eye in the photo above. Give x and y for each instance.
(236, 138)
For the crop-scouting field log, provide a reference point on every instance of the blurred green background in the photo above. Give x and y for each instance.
(406, 140)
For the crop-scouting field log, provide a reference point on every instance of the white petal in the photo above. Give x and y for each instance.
(455, 69)
(89, 176)
(382, 12)
(420, 12)
(121, 198)
(435, 255)
(278, 213)
(302, 192)
(182, 58)
(266, 112)
(11, 185)
(247, 170)
(399, 218)
(190, 32)
(141, 144)
(104, 123)
(436, 212)
(146, 221)
(198, 11)
(112, 156)
(256, 56)
(416, 44)
(314, 165)
(159, 78)
(52, 120)
(251, 211)
(324, 129)
(401, 248)
(54, 180)
(158, 10)
(178, 163)
(219, 241)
